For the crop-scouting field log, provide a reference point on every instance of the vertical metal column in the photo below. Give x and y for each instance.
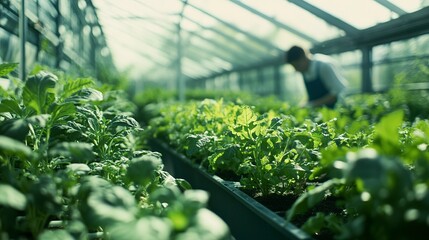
(366, 69)
(259, 85)
(179, 78)
(241, 81)
(93, 49)
(58, 49)
(22, 41)
(278, 84)
(38, 47)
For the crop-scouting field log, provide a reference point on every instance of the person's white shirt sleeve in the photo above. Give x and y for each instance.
(333, 79)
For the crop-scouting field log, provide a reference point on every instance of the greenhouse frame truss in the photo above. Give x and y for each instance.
(192, 44)
(55, 33)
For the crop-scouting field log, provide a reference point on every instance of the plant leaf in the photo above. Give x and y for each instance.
(75, 85)
(10, 197)
(312, 197)
(148, 228)
(45, 195)
(17, 129)
(205, 225)
(387, 132)
(62, 110)
(106, 207)
(39, 120)
(55, 235)
(11, 106)
(38, 92)
(6, 68)
(84, 95)
(141, 169)
(124, 121)
(13, 147)
(79, 168)
(78, 152)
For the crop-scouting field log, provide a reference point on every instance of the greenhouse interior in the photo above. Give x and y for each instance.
(214, 119)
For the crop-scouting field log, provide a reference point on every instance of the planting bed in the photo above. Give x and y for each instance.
(246, 217)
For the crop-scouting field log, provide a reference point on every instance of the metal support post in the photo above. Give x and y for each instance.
(366, 69)
(22, 41)
(179, 78)
(58, 49)
(278, 84)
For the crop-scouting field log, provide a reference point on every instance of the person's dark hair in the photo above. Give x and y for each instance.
(294, 53)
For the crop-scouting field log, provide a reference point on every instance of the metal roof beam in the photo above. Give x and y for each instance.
(123, 30)
(226, 48)
(264, 43)
(392, 7)
(276, 22)
(267, 63)
(329, 18)
(171, 43)
(404, 27)
(221, 48)
(246, 49)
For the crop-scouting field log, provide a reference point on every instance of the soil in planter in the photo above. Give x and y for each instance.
(228, 175)
(280, 204)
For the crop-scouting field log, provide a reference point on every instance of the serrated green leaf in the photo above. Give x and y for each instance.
(38, 92)
(387, 130)
(6, 68)
(246, 116)
(124, 121)
(73, 86)
(10, 197)
(62, 110)
(85, 95)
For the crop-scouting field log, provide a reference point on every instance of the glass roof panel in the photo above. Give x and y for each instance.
(218, 35)
(251, 27)
(297, 18)
(359, 13)
(221, 33)
(410, 5)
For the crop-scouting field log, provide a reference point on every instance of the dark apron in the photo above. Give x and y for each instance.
(316, 88)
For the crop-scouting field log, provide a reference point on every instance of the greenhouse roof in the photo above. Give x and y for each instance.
(158, 39)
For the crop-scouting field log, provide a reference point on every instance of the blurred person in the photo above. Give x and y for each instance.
(322, 77)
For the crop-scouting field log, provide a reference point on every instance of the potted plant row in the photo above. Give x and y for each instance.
(340, 173)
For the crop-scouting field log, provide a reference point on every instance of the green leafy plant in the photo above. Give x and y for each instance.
(70, 157)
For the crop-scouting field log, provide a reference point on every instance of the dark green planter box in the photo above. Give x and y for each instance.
(247, 218)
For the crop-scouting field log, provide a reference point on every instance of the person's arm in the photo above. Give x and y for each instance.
(332, 78)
